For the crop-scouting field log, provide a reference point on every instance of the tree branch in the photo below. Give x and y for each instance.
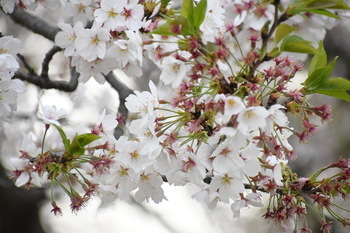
(48, 84)
(34, 24)
(123, 92)
(46, 62)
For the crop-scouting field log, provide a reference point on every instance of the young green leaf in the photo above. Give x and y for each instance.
(335, 93)
(327, 4)
(79, 141)
(65, 140)
(186, 28)
(199, 13)
(319, 60)
(164, 29)
(187, 10)
(336, 87)
(317, 7)
(281, 31)
(323, 12)
(319, 76)
(335, 83)
(296, 44)
(164, 3)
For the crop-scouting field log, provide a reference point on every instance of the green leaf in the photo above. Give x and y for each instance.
(296, 44)
(319, 60)
(335, 93)
(164, 3)
(335, 83)
(78, 143)
(186, 28)
(65, 140)
(320, 6)
(164, 29)
(326, 4)
(275, 52)
(283, 30)
(319, 76)
(187, 10)
(324, 12)
(199, 13)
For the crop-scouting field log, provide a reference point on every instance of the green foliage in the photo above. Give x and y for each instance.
(281, 31)
(65, 140)
(319, 76)
(79, 141)
(164, 3)
(296, 44)
(319, 60)
(319, 80)
(317, 7)
(199, 13)
(76, 148)
(192, 16)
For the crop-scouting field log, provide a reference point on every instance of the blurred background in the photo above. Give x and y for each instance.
(29, 210)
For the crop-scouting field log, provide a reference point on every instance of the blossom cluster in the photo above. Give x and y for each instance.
(9, 89)
(219, 119)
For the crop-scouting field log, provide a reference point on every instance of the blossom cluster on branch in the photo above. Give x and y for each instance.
(219, 118)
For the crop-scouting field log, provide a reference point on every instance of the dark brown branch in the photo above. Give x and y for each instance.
(30, 70)
(46, 62)
(49, 84)
(34, 24)
(39, 26)
(123, 92)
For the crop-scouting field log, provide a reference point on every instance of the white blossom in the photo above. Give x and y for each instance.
(50, 115)
(251, 119)
(91, 43)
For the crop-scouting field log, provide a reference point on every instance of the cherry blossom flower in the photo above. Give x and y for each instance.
(96, 68)
(145, 132)
(9, 90)
(227, 185)
(106, 123)
(189, 169)
(233, 105)
(143, 102)
(9, 47)
(150, 187)
(213, 22)
(109, 12)
(130, 155)
(226, 157)
(91, 43)
(117, 184)
(123, 51)
(79, 10)
(50, 115)
(66, 38)
(252, 118)
(173, 71)
(132, 15)
(251, 199)
(8, 6)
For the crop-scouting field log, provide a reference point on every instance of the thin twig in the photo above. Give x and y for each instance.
(277, 21)
(26, 64)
